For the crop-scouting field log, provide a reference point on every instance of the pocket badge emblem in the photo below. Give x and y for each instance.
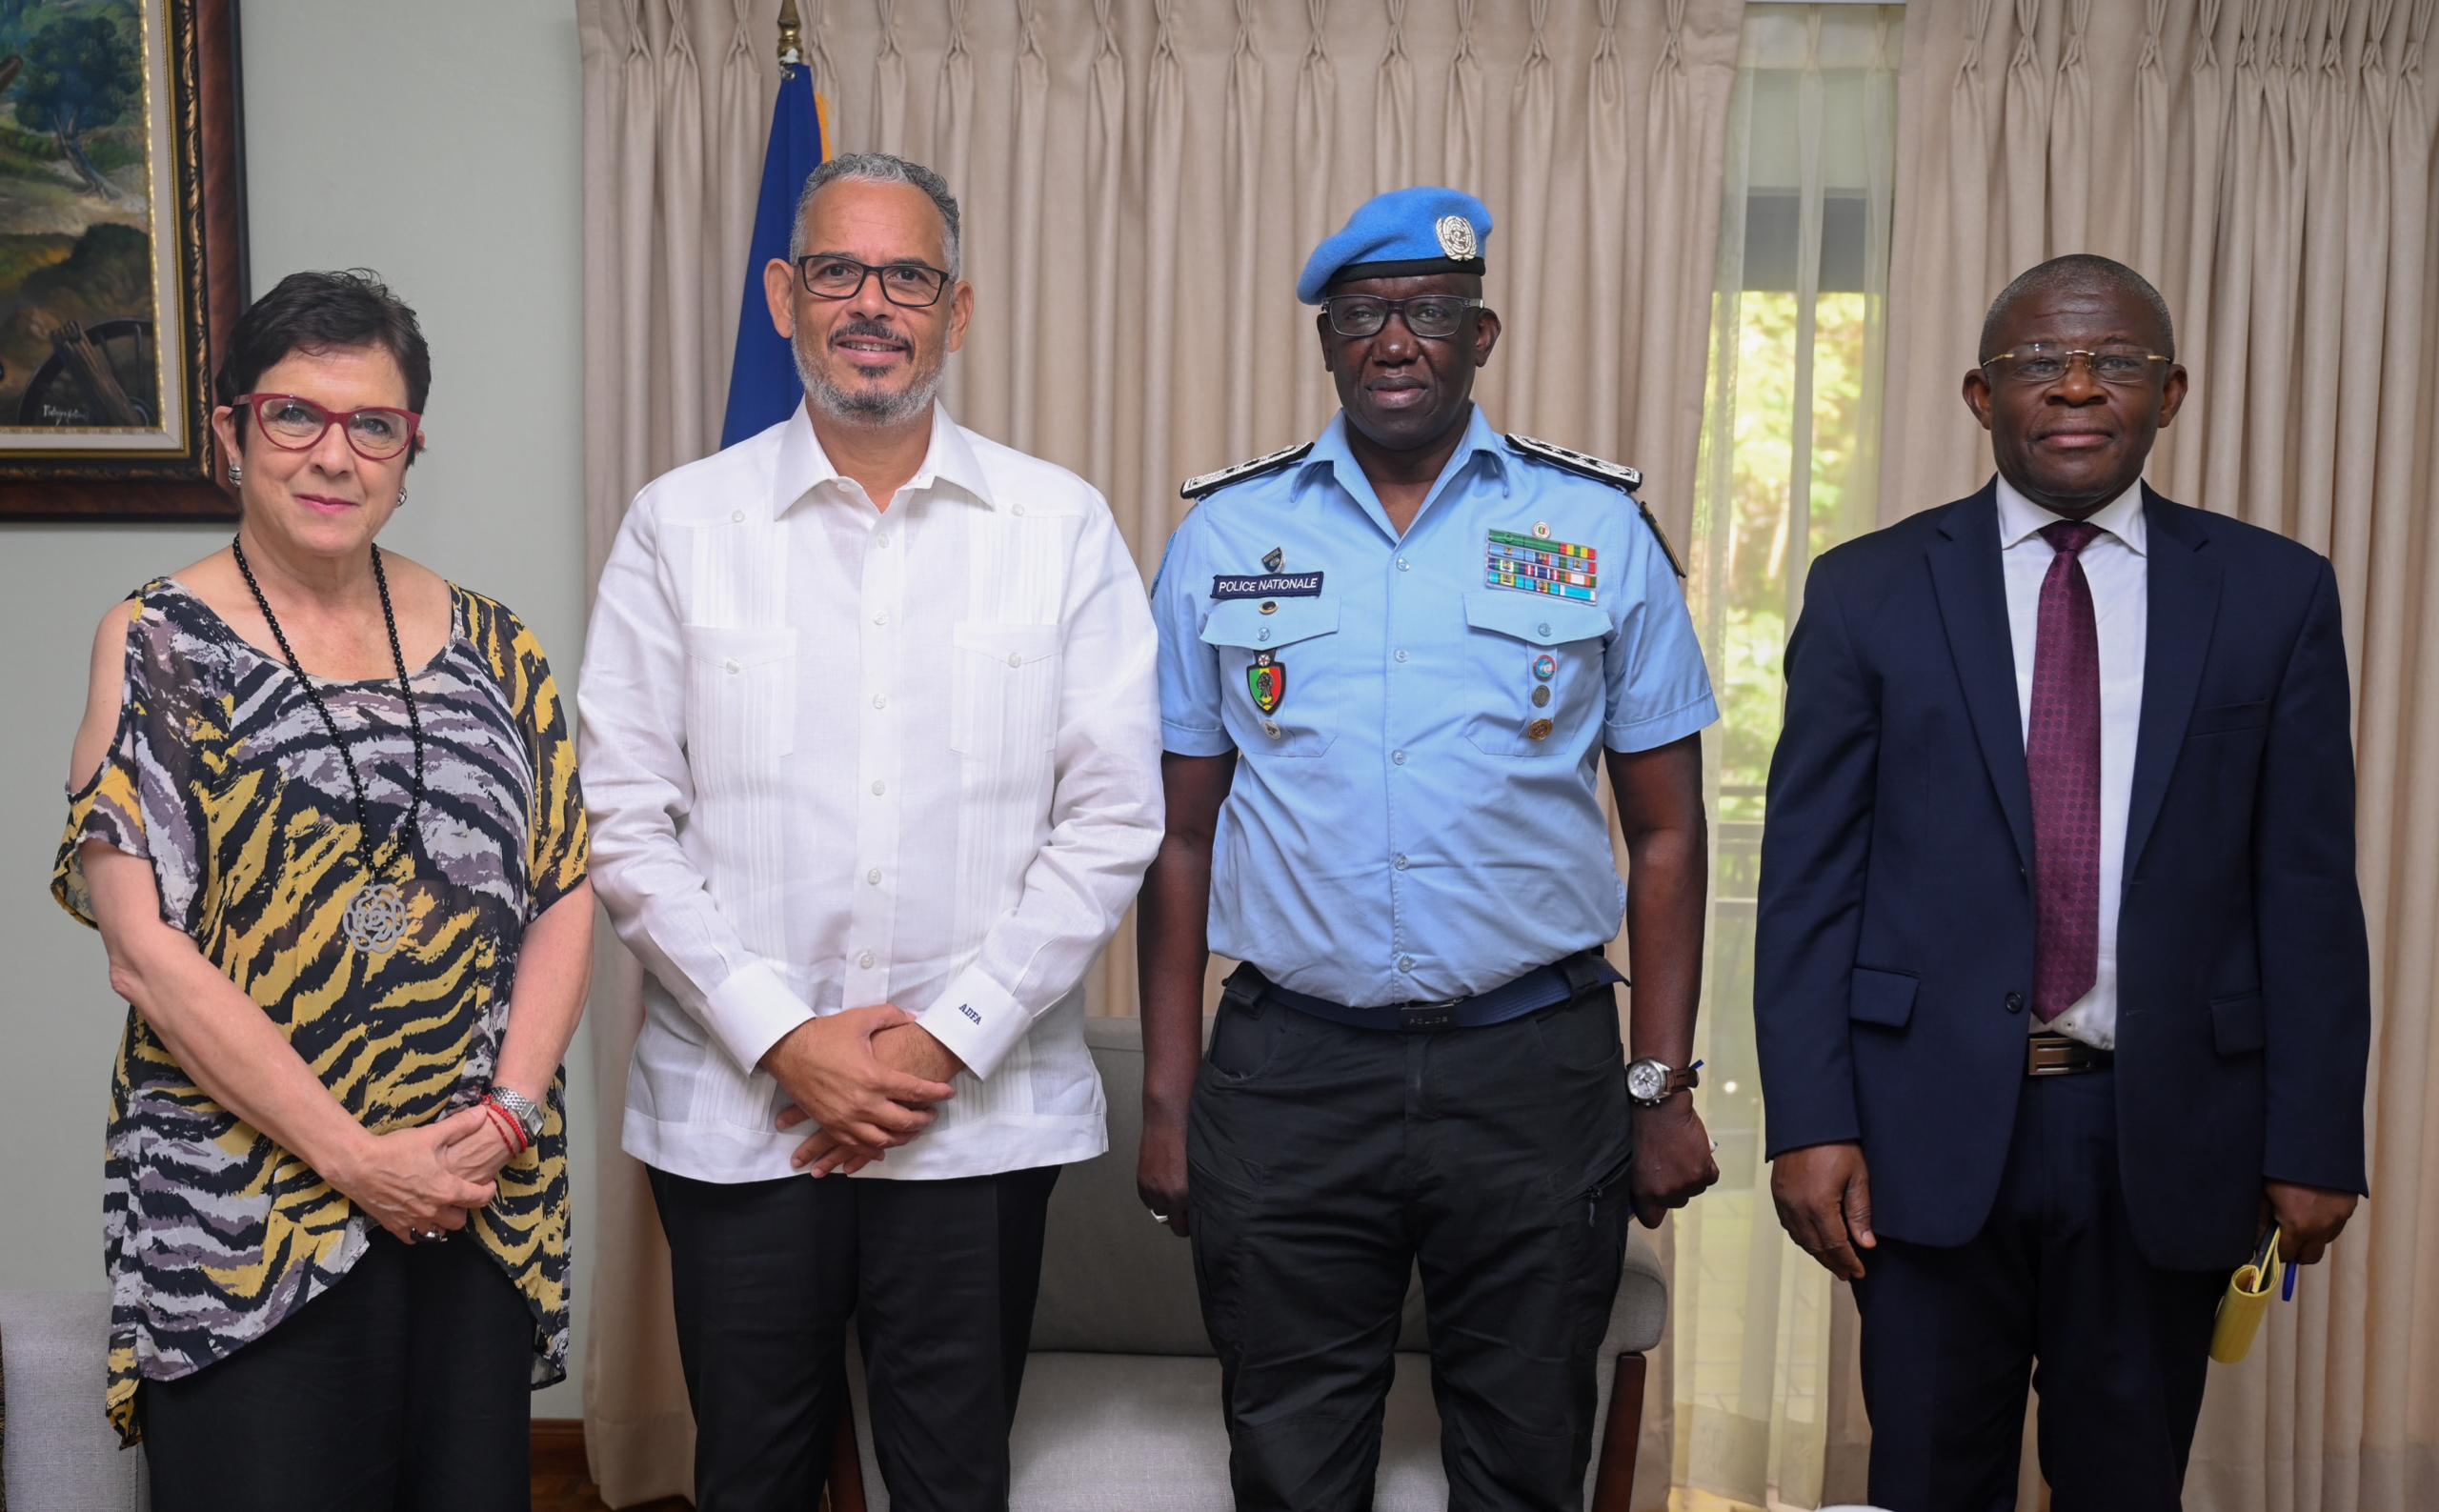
(1266, 680)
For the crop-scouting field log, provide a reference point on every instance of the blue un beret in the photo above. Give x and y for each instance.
(1403, 232)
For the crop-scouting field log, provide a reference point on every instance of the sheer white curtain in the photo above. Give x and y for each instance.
(1761, 1378)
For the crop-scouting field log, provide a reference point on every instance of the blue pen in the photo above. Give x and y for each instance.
(2286, 1292)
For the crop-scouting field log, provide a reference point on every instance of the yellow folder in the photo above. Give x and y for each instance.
(2241, 1310)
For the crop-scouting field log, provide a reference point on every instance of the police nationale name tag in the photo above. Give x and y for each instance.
(1266, 585)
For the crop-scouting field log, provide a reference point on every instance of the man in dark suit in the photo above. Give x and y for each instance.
(2062, 987)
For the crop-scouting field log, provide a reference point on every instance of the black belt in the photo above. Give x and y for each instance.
(1542, 987)
(2050, 1053)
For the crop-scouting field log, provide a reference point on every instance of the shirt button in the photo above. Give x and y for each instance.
(1405, 566)
(882, 540)
(865, 960)
(737, 517)
(881, 619)
(1270, 727)
(1406, 963)
(873, 877)
(1401, 863)
(735, 666)
(880, 700)
(1017, 509)
(880, 788)
(1016, 658)
(1542, 630)
(1398, 758)
(2015, 1003)
(1401, 654)
(1265, 635)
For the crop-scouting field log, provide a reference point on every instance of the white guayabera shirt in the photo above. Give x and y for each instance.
(835, 756)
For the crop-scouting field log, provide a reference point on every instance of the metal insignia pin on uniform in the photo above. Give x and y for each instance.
(1270, 606)
(1542, 696)
(1273, 560)
(1544, 667)
(1456, 237)
(1538, 729)
(1266, 680)
(1541, 530)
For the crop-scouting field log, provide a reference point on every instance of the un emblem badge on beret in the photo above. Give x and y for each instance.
(1456, 237)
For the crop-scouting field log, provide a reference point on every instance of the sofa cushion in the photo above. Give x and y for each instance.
(1112, 1280)
(59, 1453)
(1140, 1433)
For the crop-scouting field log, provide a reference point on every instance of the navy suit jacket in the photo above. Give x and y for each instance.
(1894, 951)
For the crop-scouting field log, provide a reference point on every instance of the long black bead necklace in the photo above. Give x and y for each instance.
(377, 919)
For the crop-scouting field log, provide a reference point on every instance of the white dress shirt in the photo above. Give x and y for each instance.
(2114, 566)
(838, 756)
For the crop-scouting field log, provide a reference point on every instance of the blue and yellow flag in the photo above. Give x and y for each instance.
(762, 385)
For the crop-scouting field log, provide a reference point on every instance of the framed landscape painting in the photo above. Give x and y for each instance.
(122, 256)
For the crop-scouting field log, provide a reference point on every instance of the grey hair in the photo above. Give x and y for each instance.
(880, 167)
(2079, 270)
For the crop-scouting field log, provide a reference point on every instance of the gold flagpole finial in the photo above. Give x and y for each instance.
(790, 36)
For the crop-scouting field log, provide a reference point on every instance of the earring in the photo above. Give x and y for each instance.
(402, 498)
(236, 473)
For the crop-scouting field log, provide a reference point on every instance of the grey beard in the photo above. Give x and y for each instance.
(864, 409)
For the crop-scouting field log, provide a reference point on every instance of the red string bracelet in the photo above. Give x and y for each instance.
(510, 1129)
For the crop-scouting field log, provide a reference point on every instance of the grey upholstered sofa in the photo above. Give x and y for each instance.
(56, 1452)
(1122, 1398)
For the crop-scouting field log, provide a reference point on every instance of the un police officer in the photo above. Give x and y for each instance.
(1389, 660)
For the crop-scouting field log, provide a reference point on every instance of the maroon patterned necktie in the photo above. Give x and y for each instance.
(2061, 757)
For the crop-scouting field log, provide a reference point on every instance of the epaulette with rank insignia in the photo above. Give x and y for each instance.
(1210, 482)
(1617, 475)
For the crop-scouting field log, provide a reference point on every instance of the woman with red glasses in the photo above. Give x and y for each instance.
(323, 808)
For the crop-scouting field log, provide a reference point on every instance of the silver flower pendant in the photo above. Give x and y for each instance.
(376, 920)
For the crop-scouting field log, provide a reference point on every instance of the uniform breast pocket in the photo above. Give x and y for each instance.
(740, 699)
(1274, 676)
(1003, 690)
(1534, 684)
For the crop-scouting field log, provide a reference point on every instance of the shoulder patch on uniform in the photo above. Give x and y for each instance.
(1212, 482)
(1617, 475)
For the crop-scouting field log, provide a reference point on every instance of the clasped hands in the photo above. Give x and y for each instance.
(867, 1078)
(423, 1183)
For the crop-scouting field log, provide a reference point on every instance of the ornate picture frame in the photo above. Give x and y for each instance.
(121, 254)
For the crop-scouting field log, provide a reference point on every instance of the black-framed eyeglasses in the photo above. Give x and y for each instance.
(2041, 364)
(911, 286)
(1433, 316)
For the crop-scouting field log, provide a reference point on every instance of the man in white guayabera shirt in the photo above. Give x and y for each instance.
(872, 753)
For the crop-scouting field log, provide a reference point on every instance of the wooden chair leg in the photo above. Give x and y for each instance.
(845, 1492)
(1613, 1489)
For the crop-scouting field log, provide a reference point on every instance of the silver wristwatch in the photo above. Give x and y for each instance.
(1650, 1082)
(527, 1113)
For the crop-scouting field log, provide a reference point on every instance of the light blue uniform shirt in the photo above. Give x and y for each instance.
(1396, 831)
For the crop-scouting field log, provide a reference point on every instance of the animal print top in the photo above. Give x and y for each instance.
(222, 775)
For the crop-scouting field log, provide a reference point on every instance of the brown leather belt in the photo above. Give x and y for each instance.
(2049, 1054)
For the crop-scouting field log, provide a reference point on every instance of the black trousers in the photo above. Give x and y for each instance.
(1950, 1335)
(404, 1388)
(1326, 1162)
(940, 1277)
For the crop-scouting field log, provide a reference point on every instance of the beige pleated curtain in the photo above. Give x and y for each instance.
(1141, 181)
(2269, 164)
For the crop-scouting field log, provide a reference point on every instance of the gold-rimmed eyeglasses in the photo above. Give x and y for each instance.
(2041, 364)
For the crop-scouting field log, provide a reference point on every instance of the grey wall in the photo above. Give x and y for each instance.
(438, 142)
